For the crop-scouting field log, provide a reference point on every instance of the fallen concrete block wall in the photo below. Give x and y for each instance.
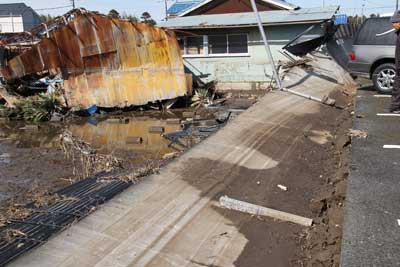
(103, 61)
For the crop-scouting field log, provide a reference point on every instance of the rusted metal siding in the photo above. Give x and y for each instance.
(107, 62)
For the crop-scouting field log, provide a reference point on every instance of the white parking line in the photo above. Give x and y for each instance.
(388, 115)
(382, 96)
(391, 146)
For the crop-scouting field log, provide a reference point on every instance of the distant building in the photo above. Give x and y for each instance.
(17, 17)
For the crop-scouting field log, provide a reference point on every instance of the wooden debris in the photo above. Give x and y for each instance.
(32, 127)
(173, 121)
(10, 99)
(237, 205)
(171, 155)
(188, 114)
(156, 129)
(357, 133)
(282, 187)
(134, 140)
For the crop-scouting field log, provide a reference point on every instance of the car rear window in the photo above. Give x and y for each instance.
(372, 27)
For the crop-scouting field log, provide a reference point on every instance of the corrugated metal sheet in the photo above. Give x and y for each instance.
(107, 62)
(283, 17)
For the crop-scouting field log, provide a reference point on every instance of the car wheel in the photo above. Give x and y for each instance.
(383, 78)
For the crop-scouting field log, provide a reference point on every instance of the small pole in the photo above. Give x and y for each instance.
(362, 10)
(267, 48)
(12, 22)
(73, 4)
(166, 10)
(397, 4)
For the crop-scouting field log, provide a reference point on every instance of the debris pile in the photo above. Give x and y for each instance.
(93, 59)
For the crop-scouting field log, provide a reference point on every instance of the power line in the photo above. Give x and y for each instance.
(52, 8)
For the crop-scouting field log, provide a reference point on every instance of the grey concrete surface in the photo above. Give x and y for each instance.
(372, 233)
(172, 219)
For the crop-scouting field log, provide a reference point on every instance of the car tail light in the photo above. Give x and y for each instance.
(352, 56)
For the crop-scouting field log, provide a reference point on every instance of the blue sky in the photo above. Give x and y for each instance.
(156, 7)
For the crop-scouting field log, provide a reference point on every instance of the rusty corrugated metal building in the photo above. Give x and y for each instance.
(104, 61)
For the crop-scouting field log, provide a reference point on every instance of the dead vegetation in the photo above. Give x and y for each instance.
(86, 160)
(12, 234)
(26, 201)
(133, 176)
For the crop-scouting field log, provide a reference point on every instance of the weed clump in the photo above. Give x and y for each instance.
(37, 108)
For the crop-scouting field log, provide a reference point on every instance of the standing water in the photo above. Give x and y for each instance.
(30, 155)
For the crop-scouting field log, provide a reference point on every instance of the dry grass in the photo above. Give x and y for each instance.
(12, 234)
(16, 209)
(83, 155)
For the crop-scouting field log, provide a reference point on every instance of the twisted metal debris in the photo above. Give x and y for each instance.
(104, 61)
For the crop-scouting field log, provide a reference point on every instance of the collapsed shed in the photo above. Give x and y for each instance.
(103, 61)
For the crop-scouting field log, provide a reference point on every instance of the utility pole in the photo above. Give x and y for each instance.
(362, 9)
(166, 10)
(323, 3)
(397, 4)
(73, 4)
(266, 45)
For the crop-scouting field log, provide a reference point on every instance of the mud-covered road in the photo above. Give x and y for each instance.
(173, 218)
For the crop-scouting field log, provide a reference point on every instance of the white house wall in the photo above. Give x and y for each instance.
(245, 72)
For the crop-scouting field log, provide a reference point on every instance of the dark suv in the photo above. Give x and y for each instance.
(374, 56)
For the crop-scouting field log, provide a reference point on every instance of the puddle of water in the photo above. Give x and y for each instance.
(139, 136)
(133, 138)
(31, 154)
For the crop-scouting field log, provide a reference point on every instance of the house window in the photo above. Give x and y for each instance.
(237, 43)
(216, 45)
(194, 45)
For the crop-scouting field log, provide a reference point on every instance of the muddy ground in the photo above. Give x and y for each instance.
(31, 157)
(322, 150)
(32, 160)
(314, 168)
(322, 243)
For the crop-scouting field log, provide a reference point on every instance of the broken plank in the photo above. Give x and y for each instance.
(10, 99)
(382, 96)
(156, 129)
(174, 121)
(391, 146)
(237, 205)
(134, 140)
(388, 115)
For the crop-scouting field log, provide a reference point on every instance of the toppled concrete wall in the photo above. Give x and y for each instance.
(104, 61)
